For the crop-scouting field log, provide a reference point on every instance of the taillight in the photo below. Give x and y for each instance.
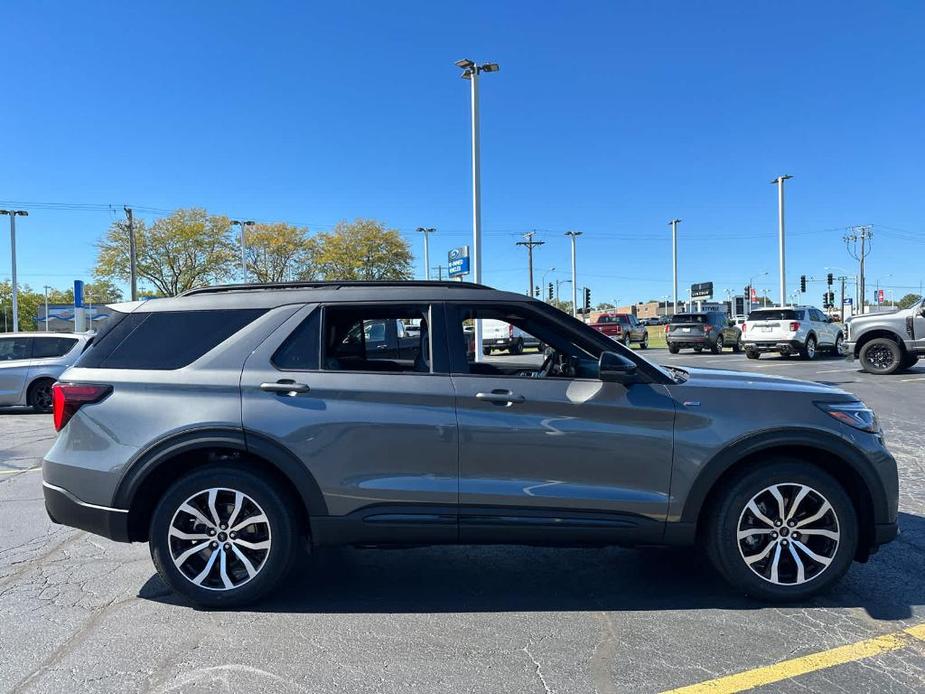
(743, 328)
(708, 328)
(667, 328)
(510, 330)
(794, 326)
(67, 398)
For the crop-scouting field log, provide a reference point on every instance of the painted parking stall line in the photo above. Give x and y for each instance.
(787, 669)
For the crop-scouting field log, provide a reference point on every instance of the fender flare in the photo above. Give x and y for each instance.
(822, 441)
(282, 459)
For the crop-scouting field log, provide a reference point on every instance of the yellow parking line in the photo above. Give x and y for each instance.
(805, 664)
(13, 472)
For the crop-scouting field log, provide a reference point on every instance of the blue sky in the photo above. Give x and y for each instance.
(610, 118)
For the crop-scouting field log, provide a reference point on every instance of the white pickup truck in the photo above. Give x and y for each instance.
(497, 334)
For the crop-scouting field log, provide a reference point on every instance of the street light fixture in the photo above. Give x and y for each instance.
(13, 214)
(426, 231)
(242, 224)
(470, 71)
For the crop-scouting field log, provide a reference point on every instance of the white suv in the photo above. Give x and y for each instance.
(802, 330)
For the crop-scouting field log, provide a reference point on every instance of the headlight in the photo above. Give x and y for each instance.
(854, 414)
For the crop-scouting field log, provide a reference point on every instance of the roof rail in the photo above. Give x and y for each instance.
(335, 284)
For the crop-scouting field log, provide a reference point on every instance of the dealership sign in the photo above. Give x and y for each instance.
(458, 261)
(702, 290)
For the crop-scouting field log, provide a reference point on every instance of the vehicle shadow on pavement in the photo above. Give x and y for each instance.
(535, 579)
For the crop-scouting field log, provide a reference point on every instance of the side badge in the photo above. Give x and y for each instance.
(691, 403)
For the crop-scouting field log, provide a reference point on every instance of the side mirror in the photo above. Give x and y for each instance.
(616, 368)
(731, 323)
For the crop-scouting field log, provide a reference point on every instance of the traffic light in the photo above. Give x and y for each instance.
(550, 292)
(587, 299)
(825, 299)
(536, 291)
(803, 283)
(829, 279)
(831, 299)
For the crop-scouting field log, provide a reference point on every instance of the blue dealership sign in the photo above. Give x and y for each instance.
(458, 261)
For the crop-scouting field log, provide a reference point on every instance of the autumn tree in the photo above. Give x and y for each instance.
(186, 249)
(362, 250)
(278, 252)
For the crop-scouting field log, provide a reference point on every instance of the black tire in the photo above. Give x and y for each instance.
(517, 347)
(282, 528)
(673, 348)
(39, 395)
(727, 552)
(717, 346)
(752, 353)
(737, 347)
(909, 360)
(881, 356)
(809, 348)
(839, 342)
(627, 340)
(486, 351)
(645, 340)
(698, 348)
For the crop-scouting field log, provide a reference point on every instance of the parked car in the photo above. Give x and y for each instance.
(704, 330)
(622, 327)
(887, 342)
(31, 362)
(231, 427)
(803, 330)
(498, 334)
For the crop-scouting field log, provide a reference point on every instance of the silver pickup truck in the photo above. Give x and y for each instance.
(887, 342)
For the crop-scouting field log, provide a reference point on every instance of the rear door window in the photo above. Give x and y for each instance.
(373, 338)
(15, 348)
(47, 347)
(164, 340)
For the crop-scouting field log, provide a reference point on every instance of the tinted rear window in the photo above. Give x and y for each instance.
(773, 314)
(689, 318)
(45, 347)
(164, 340)
(300, 350)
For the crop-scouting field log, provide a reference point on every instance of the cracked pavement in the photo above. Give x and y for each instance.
(83, 613)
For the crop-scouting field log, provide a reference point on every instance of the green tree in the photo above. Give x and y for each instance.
(279, 252)
(564, 306)
(100, 292)
(189, 248)
(28, 302)
(908, 300)
(362, 250)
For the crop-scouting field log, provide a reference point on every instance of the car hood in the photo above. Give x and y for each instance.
(745, 380)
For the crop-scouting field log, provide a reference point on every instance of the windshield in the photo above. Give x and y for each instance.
(773, 314)
(689, 318)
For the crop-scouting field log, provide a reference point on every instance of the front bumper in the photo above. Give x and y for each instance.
(66, 509)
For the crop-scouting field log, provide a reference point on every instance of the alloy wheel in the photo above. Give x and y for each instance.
(219, 538)
(41, 396)
(880, 356)
(788, 534)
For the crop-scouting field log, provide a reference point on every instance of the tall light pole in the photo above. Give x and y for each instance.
(780, 235)
(560, 282)
(573, 235)
(46, 308)
(13, 214)
(426, 231)
(471, 71)
(243, 223)
(674, 259)
(543, 282)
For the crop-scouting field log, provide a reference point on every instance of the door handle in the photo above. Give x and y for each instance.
(503, 397)
(285, 386)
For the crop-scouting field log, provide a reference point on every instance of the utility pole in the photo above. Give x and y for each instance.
(530, 243)
(13, 214)
(864, 234)
(674, 260)
(780, 236)
(132, 252)
(574, 235)
(427, 232)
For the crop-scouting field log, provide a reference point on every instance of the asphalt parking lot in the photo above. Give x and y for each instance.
(81, 613)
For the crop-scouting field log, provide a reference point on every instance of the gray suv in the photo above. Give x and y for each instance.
(232, 426)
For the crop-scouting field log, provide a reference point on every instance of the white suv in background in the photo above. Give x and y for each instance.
(802, 330)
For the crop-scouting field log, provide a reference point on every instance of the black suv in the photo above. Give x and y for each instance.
(709, 329)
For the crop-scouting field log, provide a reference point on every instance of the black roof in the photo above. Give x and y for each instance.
(271, 295)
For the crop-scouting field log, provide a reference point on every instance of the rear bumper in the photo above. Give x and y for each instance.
(66, 509)
(774, 345)
(689, 340)
(498, 343)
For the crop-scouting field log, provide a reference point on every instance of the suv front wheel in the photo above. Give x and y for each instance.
(783, 531)
(223, 536)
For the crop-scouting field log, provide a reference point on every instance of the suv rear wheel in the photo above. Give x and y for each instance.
(223, 536)
(808, 350)
(881, 356)
(783, 531)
